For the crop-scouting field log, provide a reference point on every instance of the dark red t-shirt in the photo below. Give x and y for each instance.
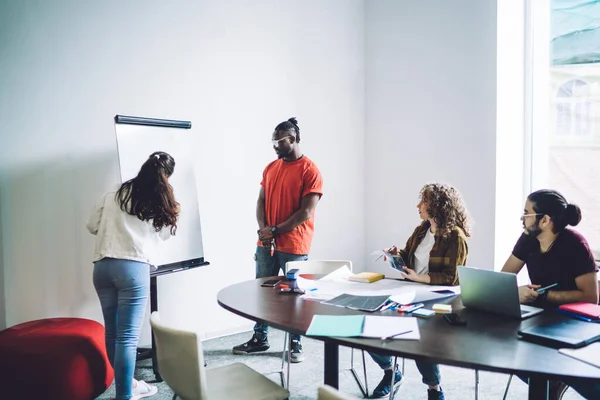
(568, 258)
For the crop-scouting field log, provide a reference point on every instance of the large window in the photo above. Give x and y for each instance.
(564, 82)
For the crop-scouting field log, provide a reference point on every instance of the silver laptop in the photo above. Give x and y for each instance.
(495, 292)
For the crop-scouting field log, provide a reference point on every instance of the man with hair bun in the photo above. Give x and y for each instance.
(554, 253)
(290, 189)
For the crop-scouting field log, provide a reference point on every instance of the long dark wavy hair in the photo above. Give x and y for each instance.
(149, 196)
(446, 206)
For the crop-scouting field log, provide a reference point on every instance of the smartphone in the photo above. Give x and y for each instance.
(454, 319)
(270, 283)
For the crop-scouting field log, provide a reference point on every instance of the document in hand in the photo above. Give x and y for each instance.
(367, 326)
(395, 261)
(361, 303)
(589, 354)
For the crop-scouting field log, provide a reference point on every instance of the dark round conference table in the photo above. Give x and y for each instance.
(488, 342)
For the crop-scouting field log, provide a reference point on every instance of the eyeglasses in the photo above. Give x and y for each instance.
(276, 142)
(530, 215)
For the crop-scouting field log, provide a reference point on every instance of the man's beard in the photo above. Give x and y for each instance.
(283, 154)
(534, 230)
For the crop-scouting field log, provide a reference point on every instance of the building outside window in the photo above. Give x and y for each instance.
(565, 136)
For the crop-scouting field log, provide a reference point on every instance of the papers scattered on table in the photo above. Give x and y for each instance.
(368, 326)
(589, 354)
(354, 302)
(420, 296)
(378, 327)
(336, 284)
(339, 275)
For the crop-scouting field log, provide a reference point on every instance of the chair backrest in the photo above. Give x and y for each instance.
(180, 360)
(329, 393)
(317, 266)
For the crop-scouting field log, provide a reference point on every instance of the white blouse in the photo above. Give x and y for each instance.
(422, 253)
(120, 235)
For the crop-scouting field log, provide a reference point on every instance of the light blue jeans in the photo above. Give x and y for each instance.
(429, 371)
(270, 266)
(123, 287)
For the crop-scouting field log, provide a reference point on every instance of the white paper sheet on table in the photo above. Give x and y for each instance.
(379, 327)
(324, 290)
(339, 275)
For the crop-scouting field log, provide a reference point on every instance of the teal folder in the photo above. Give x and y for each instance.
(336, 325)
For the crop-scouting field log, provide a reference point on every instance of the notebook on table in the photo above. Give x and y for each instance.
(570, 333)
(354, 302)
(585, 309)
(367, 277)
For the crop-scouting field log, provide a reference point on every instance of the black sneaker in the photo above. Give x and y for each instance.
(433, 394)
(297, 355)
(385, 386)
(252, 346)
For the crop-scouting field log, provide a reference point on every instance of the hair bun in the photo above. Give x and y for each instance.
(572, 214)
(293, 120)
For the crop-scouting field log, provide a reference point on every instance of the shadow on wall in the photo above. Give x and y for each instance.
(47, 250)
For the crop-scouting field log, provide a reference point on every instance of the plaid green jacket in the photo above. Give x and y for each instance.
(448, 252)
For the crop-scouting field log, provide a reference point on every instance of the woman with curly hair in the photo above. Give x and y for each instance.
(432, 254)
(129, 222)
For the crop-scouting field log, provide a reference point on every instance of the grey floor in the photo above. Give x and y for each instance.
(307, 376)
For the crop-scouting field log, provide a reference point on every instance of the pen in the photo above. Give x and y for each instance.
(575, 315)
(414, 307)
(395, 334)
(389, 305)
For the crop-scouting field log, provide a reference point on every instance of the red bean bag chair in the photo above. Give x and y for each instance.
(54, 359)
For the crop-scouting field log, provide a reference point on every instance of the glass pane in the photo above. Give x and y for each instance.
(566, 157)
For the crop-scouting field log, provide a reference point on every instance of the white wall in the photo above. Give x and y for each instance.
(234, 68)
(389, 95)
(510, 138)
(431, 109)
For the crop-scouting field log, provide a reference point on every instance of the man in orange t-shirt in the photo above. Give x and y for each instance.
(290, 190)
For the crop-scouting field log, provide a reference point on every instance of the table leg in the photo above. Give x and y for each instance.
(331, 362)
(538, 388)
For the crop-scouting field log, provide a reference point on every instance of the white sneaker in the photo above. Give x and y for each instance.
(143, 390)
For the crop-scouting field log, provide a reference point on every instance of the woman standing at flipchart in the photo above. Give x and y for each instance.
(129, 222)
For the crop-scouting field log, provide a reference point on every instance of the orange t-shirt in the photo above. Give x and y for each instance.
(285, 184)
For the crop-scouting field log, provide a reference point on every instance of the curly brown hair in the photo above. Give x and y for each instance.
(446, 206)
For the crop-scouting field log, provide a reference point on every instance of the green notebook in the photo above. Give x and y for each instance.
(336, 325)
